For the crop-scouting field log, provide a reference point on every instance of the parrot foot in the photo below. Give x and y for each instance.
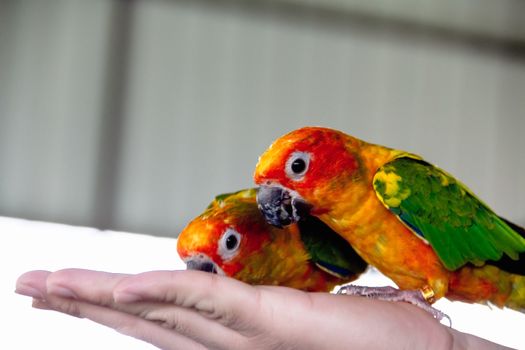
(415, 297)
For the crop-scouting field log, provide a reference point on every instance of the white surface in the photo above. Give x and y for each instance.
(28, 245)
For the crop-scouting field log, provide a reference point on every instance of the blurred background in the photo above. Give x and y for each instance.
(132, 115)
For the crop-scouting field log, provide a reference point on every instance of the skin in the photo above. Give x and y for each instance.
(196, 310)
(337, 186)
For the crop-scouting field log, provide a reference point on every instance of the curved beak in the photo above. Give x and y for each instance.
(202, 262)
(280, 206)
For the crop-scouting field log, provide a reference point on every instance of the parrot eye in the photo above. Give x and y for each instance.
(297, 165)
(229, 244)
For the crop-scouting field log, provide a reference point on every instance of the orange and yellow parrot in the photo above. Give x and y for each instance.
(232, 238)
(411, 220)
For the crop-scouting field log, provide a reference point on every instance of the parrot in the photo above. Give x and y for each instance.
(232, 238)
(414, 222)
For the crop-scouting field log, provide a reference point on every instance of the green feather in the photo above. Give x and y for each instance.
(221, 198)
(460, 228)
(328, 250)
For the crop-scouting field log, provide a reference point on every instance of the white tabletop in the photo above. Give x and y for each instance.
(28, 245)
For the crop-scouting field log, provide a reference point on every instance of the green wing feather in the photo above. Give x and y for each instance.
(460, 228)
(328, 250)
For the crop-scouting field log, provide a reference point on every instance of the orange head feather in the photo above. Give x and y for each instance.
(314, 167)
(230, 230)
(309, 158)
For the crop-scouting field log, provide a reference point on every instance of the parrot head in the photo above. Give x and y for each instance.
(304, 171)
(232, 238)
(216, 241)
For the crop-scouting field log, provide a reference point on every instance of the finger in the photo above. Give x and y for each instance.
(122, 322)
(189, 323)
(32, 284)
(228, 301)
(95, 287)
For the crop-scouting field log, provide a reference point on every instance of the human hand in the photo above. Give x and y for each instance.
(197, 310)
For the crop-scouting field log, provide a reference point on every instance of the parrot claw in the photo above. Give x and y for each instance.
(414, 297)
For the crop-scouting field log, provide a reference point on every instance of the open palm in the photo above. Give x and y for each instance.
(197, 310)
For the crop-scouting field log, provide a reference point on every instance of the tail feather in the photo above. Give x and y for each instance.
(488, 284)
(516, 298)
(520, 230)
(506, 263)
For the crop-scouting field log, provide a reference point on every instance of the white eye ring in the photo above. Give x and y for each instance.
(297, 165)
(229, 244)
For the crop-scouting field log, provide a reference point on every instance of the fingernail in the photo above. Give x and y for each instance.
(29, 291)
(61, 291)
(126, 297)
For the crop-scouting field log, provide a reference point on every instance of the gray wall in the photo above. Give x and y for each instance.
(132, 115)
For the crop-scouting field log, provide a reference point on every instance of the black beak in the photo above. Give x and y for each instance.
(279, 207)
(201, 265)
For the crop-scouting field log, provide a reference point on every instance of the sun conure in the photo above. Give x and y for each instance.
(411, 220)
(232, 238)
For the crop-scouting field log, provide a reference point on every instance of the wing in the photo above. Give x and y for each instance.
(516, 267)
(460, 228)
(329, 251)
